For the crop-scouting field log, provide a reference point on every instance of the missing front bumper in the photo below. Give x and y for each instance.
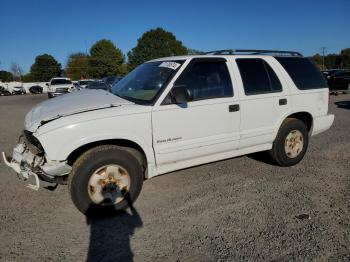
(23, 174)
(27, 164)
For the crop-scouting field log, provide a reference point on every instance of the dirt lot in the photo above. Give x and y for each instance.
(237, 210)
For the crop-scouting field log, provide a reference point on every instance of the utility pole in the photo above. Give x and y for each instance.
(323, 50)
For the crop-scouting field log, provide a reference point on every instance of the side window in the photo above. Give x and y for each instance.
(207, 79)
(258, 77)
(303, 72)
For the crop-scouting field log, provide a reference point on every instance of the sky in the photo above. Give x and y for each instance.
(33, 27)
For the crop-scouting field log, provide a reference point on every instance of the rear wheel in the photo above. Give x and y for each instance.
(106, 179)
(291, 143)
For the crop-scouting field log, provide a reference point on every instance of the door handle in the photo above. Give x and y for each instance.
(282, 101)
(233, 108)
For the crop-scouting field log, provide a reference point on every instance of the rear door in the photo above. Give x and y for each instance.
(207, 125)
(264, 100)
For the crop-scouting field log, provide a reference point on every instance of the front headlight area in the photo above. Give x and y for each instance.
(33, 143)
(30, 154)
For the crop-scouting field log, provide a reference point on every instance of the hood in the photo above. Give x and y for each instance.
(69, 104)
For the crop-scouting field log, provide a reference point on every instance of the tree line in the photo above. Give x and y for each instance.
(104, 59)
(333, 61)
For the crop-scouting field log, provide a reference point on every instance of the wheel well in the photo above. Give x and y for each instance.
(118, 142)
(305, 117)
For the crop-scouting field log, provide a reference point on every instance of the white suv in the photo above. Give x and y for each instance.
(59, 86)
(172, 113)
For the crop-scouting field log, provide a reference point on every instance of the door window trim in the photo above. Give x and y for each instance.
(190, 65)
(260, 92)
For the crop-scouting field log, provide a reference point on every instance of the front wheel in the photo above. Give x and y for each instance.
(291, 143)
(105, 179)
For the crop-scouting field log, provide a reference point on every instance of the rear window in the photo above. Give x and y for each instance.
(303, 72)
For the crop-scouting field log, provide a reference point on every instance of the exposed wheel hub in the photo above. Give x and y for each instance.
(294, 143)
(108, 185)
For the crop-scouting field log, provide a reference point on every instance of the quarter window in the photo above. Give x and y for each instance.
(303, 72)
(258, 77)
(207, 80)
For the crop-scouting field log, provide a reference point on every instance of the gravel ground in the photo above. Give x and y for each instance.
(241, 209)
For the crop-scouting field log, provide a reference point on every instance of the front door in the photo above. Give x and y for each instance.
(206, 126)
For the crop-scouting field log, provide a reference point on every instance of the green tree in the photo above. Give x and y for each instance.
(154, 44)
(317, 60)
(105, 59)
(330, 61)
(5, 76)
(345, 58)
(44, 68)
(27, 78)
(78, 66)
(123, 69)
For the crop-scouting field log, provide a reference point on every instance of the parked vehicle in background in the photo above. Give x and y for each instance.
(4, 91)
(339, 80)
(111, 80)
(84, 82)
(36, 89)
(18, 90)
(59, 86)
(99, 85)
(169, 114)
(76, 85)
(328, 72)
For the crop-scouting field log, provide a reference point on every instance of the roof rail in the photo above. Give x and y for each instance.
(252, 52)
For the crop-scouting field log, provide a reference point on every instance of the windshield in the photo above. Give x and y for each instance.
(97, 85)
(144, 82)
(60, 82)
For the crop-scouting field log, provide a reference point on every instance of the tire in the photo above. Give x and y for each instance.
(284, 152)
(95, 163)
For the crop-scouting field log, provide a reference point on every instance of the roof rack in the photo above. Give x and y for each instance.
(252, 52)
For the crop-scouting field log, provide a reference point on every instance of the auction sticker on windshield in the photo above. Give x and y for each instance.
(171, 65)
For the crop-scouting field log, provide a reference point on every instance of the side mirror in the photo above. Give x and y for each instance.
(47, 84)
(181, 94)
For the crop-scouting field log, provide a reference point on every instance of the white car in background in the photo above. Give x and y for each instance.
(18, 90)
(59, 86)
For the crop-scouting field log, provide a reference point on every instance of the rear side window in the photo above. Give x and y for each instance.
(303, 72)
(258, 77)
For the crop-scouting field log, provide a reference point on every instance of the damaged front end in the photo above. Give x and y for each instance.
(28, 159)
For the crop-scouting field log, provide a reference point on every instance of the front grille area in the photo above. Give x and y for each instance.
(61, 90)
(32, 143)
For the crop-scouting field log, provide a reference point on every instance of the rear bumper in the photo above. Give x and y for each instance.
(322, 123)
